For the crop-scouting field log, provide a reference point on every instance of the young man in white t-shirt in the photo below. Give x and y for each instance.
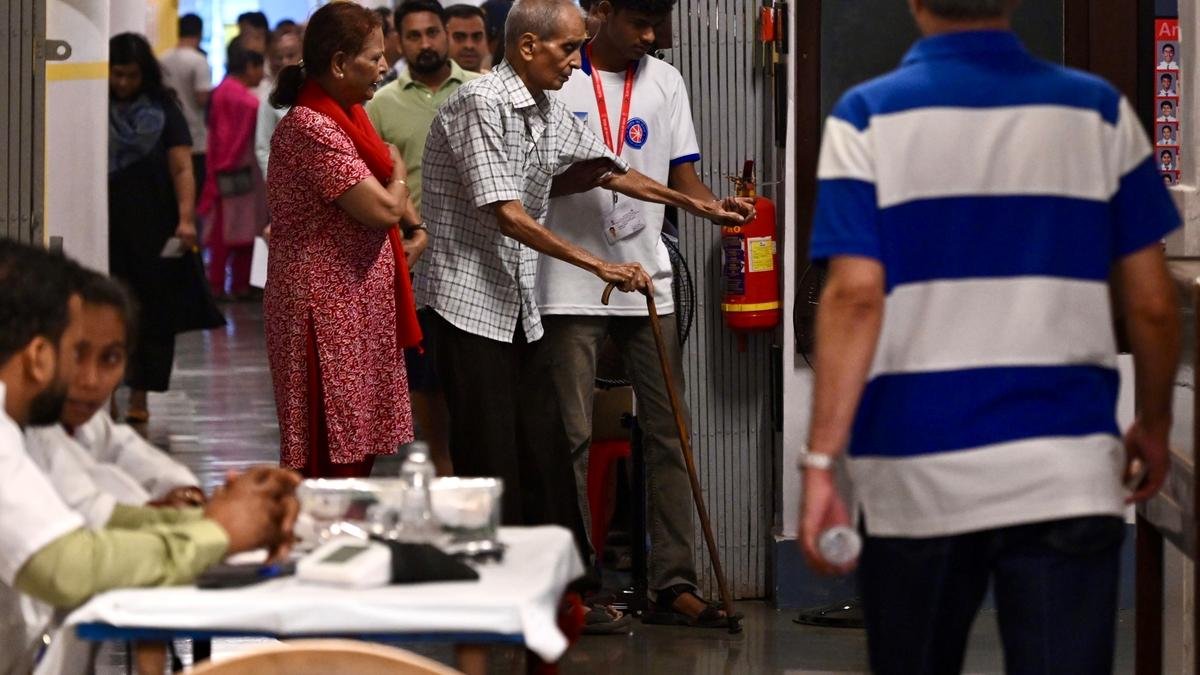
(657, 137)
(186, 70)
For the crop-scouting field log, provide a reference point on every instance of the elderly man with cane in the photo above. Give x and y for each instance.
(492, 153)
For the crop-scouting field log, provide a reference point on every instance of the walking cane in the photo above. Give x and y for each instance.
(685, 446)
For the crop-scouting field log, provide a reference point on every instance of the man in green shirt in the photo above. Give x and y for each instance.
(45, 550)
(403, 113)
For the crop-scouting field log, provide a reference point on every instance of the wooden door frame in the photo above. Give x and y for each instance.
(1114, 39)
(807, 87)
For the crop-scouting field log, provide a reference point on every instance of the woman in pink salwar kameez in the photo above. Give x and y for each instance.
(235, 197)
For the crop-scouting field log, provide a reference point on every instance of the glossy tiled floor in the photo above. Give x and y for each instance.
(220, 415)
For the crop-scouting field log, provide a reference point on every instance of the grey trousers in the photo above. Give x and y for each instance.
(570, 347)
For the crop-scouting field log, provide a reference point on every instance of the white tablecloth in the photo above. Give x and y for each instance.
(519, 596)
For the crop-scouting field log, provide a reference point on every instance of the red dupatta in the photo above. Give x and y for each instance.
(371, 148)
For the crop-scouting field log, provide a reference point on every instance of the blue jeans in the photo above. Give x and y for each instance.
(1055, 585)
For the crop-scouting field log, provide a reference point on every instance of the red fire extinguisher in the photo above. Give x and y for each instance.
(751, 265)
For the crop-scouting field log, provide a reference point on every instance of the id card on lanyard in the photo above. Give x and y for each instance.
(625, 218)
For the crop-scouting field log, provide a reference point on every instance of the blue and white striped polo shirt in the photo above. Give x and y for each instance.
(997, 190)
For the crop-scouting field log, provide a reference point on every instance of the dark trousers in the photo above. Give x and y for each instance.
(199, 168)
(151, 362)
(494, 392)
(1055, 586)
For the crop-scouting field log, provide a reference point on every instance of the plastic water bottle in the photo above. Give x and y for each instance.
(416, 515)
(839, 545)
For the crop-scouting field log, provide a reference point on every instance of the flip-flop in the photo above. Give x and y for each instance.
(604, 620)
(663, 612)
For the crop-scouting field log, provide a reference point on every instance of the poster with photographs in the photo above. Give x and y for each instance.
(1166, 99)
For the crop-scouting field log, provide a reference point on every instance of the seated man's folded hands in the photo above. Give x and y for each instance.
(257, 508)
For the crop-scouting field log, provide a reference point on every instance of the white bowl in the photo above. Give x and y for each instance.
(467, 503)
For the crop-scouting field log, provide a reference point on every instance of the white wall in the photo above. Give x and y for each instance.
(128, 16)
(797, 378)
(77, 115)
(77, 130)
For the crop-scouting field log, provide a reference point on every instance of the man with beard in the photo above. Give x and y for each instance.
(403, 112)
(46, 552)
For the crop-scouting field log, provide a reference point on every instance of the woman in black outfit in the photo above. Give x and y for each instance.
(151, 198)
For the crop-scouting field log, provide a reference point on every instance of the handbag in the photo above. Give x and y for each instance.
(195, 309)
(235, 183)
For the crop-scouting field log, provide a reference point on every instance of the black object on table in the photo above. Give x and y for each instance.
(225, 575)
(425, 563)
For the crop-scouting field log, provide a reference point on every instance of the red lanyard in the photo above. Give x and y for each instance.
(598, 85)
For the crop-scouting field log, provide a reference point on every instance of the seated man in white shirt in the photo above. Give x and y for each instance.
(93, 462)
(46, 553)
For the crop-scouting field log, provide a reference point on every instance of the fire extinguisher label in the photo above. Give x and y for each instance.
(734, 269)
(762, 254)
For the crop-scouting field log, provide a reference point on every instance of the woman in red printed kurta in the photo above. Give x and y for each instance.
(337, 307)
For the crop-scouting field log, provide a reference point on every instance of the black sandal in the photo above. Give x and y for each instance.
(663, 612)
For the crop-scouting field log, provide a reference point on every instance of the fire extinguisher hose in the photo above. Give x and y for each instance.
(685, 445)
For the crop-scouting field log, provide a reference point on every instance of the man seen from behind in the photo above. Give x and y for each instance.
(966, 358)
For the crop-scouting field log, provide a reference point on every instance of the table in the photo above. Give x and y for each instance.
(514, 602)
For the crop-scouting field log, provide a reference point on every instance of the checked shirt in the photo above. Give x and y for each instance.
(492, 142)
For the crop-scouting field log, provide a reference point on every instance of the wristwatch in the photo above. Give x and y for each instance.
(412, 228)
(814, 460)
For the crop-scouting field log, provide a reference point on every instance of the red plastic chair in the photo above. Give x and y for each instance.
(603, 458)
